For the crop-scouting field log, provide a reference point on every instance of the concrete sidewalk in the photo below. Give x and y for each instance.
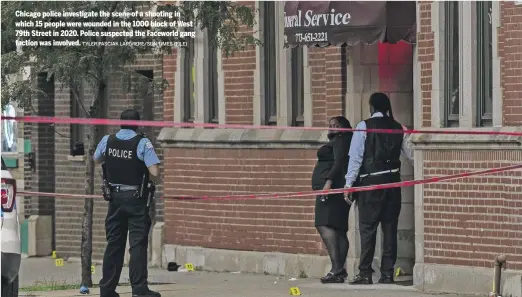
(202, 284)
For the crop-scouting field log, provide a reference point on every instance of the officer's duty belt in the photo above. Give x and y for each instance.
(123, 188)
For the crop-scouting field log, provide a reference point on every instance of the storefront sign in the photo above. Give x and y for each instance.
(337, 22)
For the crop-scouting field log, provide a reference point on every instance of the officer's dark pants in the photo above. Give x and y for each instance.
(126, 214)
(379, 206)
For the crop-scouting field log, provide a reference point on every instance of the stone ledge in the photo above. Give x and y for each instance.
(464, 279)
(239, 138)
(428, 141)
(217, 260)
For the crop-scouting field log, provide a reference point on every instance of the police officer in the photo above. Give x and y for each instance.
(375, 159)
(129, 160)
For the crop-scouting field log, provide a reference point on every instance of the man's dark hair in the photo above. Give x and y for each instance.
(131, 115)
(381, 103)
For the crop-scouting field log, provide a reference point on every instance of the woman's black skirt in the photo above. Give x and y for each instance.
(333, 212)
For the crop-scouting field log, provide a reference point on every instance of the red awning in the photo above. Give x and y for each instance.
(337, 22)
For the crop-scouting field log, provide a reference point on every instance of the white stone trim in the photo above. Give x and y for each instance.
(418, 206)
(284, 110)
(497, 85)
(354, 84)
(284, 98)
(437, 92)
(199, 85)
(467, 66)
(258, 108)
(204, 100)
(417, 91)
(178, 85)
(307, 85)
(222, 106)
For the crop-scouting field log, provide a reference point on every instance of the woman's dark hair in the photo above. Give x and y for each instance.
(381, 103)
(132, 115)
(343, 122)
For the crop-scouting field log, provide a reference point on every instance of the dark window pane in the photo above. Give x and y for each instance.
(484, 64)
(212, 84)
(297, 86)
(189, 78)
(269, 54)
(451, 63)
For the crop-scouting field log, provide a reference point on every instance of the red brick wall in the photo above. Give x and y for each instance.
(169, 73)
(42, 142)
(317, 62)
(470, 221)
(425, 52)
(283, 225)
(510, 49)
(325, 70)
(269, 225)
(239, 69)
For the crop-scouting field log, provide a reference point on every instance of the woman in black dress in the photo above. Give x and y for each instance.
(331, 211)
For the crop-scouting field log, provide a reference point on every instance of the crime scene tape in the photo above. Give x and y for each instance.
(109, 122)
(408, 183)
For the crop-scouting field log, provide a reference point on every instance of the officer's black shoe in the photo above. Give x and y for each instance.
(149, 293)
(361, 280)
(386, 279)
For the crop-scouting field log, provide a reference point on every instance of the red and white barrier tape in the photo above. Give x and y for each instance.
(109, 122)
(302, 194)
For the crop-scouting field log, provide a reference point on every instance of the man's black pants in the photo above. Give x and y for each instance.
(379, 206)
(126, 214)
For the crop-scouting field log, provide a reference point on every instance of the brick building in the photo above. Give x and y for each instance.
(462, 73)
(54, 167)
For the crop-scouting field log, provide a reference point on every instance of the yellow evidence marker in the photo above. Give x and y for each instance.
(54, 254)
(397, 272)
(93, 270)
(58, 262)
(294, 291)
(189, 267)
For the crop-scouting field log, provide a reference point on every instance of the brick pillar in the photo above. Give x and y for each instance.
(42, 173)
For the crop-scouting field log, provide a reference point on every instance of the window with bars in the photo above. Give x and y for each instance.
(297, 86)
(451, 64)
(267, 10)
(212, 83)
(484, 64)
(189, 78)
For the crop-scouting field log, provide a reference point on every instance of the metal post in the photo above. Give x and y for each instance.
(500, 262)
